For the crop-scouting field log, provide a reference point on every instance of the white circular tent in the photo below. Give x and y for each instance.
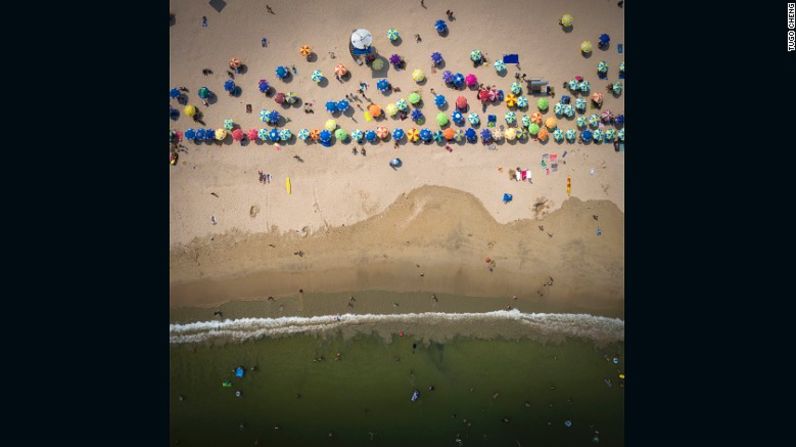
(361, 39)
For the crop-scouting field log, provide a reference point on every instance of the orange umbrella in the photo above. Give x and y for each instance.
(536, 117)
(597, 97)
(374, 110)
(382, 132)
(305, 50)
(449, 134)
(542, 135)
(234, 63)
(340, 70)
(315, 134)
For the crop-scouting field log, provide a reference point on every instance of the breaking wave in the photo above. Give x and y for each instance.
(546, 324)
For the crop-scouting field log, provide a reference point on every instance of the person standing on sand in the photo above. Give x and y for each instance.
(268, 8)
(423, 4)
(363, 154)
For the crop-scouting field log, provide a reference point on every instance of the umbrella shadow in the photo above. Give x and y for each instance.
(440, 65)
(586, 55)
(387, 92)
(172, 20)
(567, 29)
(444, 33)
(242, 69)
(245, 142)
(288, 78)
(503, 73)
(423, 82)
(236, 92)
(297, 103)
(382, 73)
(396, 42)
(212, 98)
(312, 57)
(604, 47)
(349, 112)
(182, 100)
(443, 107)
(323, 82)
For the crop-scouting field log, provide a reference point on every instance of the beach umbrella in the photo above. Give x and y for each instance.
(281, 72)
(210, 134)
(273, 135)
(371, 136)
(461, 103)
(511, 100)
(586, 135)
(533, 129)
(220, 134)
(500, 67)
(341, 134)
(273, 117)
(476, 56)
(426, 135)
(439, 100)
(447, 77)
(516, 88)
(190, 134)
(457, 117)
(414, 98)
(325, 138)
(543, 134)
(237, 135)
(607, 116)
(486, 136)
(402, 105)
(418, 75)
(558, 109)
(383, 85)
(580, 104)
(604, 39)
(262, 134)
(570, 135)
(395, 59)
(510, 117)
(581, 121)
(342, 105)
(565, 99)
(594, 120)
(417, 115)
(458, 80)
(382, 132)
(610, 135)
(264, 115)
(542, 104)
(536, 117)
(569, 111)
(436, 58)
(622, 67)
(558, 135)
(189, 110)
(449, 133)
(175, 93)
(459, 136)
(229, 124)
(397, 134)
(510, 134)
(438, 136)
(174, 113)
(440, 26)
(573, 85)
(340, 70)
(597, 98)
(471, 80)
(330, 125)
(413, 135)
(471, 135)
(290, 98)
(315, 134)
(234, 63)
(551, 123)
(442, 119)
(621, 134)
(377, 64)
(616, 87)
(392, 34)
(620, 119)
(374, 110)
(357, 135)
(566, 20)
(305, 50)
(303, 134)
(584, 86)
(263, 86)
(316, 76)
(497, 134)
(279, 98)
(473, 118)
(285, 134)
(526, 121)
(229, 85)
(585, 47)
(602, 67)
(361, 39)
(391, 109)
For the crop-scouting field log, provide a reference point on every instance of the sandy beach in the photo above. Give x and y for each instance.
(351, 222)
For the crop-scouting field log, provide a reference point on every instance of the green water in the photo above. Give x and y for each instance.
(538, 387)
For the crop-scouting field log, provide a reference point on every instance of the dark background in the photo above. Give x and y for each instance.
(709, 222)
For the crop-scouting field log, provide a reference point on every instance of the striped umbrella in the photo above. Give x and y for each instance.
(597, 135)
(473, 118)
(558, 109)
(229, 124)
(594, 120)
(610, 135)
(621, 134)
(602, 67)
(401, 105)
(285, 134)
(305, 50)
(558, 135)
(500, 67)
(536, 117)
(569, 111)
(573, 84)
(584, 86)
(459, 135)
(357, 135)
(516, 88)
(570, 135)
(522, 102)
(392, 34)
(413, 135)
(315, 134)
(511, 100)
(438, 136)
(476, 56)
(264, 115)
(616, 87)
(262, 134)
(382, 132)
(580, 104)
(303, 134)
(497, 134)
(316, 76)
(581, 121)
(510, 117)
(526, 121)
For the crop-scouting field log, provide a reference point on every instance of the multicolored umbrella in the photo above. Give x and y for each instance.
(382, 132)
(341, 134)
(449, 133)
(510, 117)
(459, 135)
(621, 134)
(522, 102)
(189, 110)
(458, 80)
(584, 86)
(414, 98)
(536, 117)
(229, 124)
(486, 136)
(395, 59)
(371, 136)
(471, 80)
(610, 135)
(607, 116)
(500, 67)
(566, 20)
(543, 134)
(413, 135)
(357, 135)
(285, 134)
(511, 100)
(594, 120)
(542, 104)
(392, 34)
(220, 134)
(573, 85)
(418, 75)
(402, 105)
(303, 134)
(229, 85)
(622, 67)
(558, 109)
(497, 134)
(551, 123)
(262, 134)
(234, 63)
(391, 109)
(558, 135)
(616, 88)
(473, 118)
(533, 129)
(440, 26)
(436, 58)
(330, 125)
(383, 85)
(315, 134)
(457, 117)
(374, 110)
(397, 134)
(342, 105)
(175, 93)
(569, 111)
(340, 70)
(570, 135)
(581, 121)
(526, 121)
(602, 67)
(586, 135)
(282, 72)
(273, 135)
(585, 47)
(316, 76)
(597, 98)
(438, 136)
(263, 86)
(476, 56)
(510, 134)
(471, 135)
(439, 100)
(597, 135)
(305, 50)
(442, 119)
(190, 134)
(580, 104)
(264, 115)
(516, 88)
(426, 135)
(461, 103)
(331, 106)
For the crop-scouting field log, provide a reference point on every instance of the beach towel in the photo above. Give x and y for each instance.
(524, 174)
(511, 58)
(518, 175)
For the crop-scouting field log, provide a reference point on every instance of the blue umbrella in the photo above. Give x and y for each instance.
(383, 85)
(175, 93)
(417, 115)
(425, 134)
(396, 163)
(210, 134)
(240, 372)
(398, 134)
(331, 106)
(174, 113)
(447, 77)
(507, 197)
(342, 105)
(565, 99)
(326, 138)
(190, 134)
(486, 136)
(439, 100)
(229, 85)
(620, 119)
(273, 135)
(458, 80)
(436, 58)
(370, 136)
(586, 135)
(440, 26)
(471, 135)
(201, 134)
(281, 72)
(273, 117)
(458, 118)
(604, 39)
(263, 85)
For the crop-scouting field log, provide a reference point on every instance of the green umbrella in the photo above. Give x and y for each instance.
(401, 105)
(594, 120)
(516, 88)
(602, 67)
(522, 102)
(500, 67)
(475, 55)
(442, 119)
(573, 84)
(558, 135)
(229, 124)
(597, 135)
(617, 88)
(341, 134)
(581, 121)
(558, 109)
(511, 117)
(392, 34)
(377, 64)
(621, 134)
(569, 111)
(204, 92)
(533, 129)
(570, 135)
(610, 135)
(526, 121)
(414, 98)
(585, 86)
(542, 103)
(580, 104)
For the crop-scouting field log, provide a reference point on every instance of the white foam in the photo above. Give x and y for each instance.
(550, 324)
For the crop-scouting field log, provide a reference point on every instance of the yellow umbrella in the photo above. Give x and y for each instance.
(391, 109)
(536, 117)
(566, 20)
(418, 75)
(221, 134)
(585, 46)
(412, 134)
(189, 110)
(551, 123)
(330, 125)
(340, 70)
(510, 133)
(382, 132)
(305, 50)
(511, 100)
(367, 116)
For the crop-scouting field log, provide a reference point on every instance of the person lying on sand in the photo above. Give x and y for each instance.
(417, 38)
(207, 71)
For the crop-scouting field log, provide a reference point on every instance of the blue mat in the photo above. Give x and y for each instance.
(511, 58)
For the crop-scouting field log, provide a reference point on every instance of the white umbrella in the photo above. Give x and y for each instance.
(361, 39)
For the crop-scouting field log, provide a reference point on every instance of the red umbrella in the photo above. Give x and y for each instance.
(279, 98)
(483, 95)
(461, 102)
(178, 134)
(252, 134)
(237, 134)
(471, 80)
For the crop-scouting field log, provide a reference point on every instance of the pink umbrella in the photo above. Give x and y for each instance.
(237, 134)
(492, 95)
(178, 134)
(471, 80)
(461, 102)
(279, 98)
(252, 134)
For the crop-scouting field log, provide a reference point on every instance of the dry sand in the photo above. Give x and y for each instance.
(338, 213)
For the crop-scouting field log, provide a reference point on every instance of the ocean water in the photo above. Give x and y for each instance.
(487, 392)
